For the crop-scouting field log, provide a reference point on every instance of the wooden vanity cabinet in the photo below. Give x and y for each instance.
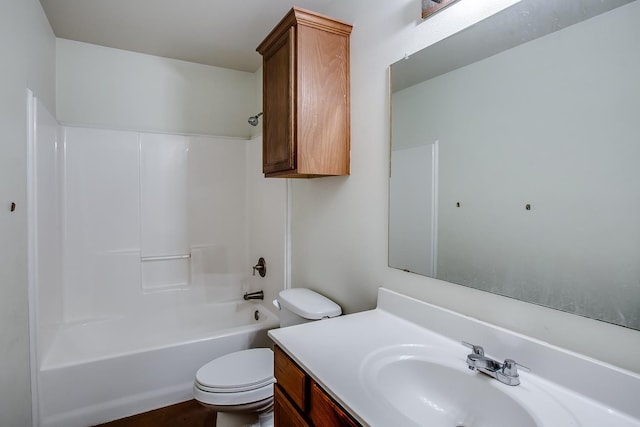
(300, 402)
(306, 121)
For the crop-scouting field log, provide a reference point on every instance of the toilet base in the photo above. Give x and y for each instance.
(236, 419)
(266, 419)
(263, 409)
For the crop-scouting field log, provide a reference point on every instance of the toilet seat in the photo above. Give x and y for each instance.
(263, 395)
(237, 378)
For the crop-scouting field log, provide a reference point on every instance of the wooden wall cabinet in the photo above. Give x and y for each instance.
(306, 106)
(300, 402)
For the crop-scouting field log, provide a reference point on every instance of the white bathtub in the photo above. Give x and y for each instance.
(105, 370)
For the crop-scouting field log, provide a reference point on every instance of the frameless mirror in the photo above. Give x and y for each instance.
(516, 158)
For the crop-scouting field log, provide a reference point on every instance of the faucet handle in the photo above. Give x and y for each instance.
(475, 348)
(261, 266)
(510, 368)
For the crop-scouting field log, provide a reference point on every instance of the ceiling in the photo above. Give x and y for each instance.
(222, 33)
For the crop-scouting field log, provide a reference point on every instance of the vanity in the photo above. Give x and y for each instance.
(298, 398)
(403, 363)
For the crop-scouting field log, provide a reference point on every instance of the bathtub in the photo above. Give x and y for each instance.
(111, 368)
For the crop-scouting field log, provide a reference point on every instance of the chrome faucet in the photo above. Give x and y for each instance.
(506, 373)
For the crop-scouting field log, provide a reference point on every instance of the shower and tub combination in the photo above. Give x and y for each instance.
(142, 249)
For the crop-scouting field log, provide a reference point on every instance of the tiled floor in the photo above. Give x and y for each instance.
(185, 414)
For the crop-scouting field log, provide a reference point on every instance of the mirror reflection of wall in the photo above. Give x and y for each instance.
(552, 124)
(413, 209)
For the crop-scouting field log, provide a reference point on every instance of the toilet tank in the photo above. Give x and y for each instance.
(300, 305)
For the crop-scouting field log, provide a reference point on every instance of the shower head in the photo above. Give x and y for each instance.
(253, 120)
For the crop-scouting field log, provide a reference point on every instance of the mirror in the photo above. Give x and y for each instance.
(516, 158)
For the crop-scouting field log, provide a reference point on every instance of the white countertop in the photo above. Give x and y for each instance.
(332, 351)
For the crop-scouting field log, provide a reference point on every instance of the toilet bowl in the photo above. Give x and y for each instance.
(237, 382)
(243, 381)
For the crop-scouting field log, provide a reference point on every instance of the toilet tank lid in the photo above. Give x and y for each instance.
(308, 304)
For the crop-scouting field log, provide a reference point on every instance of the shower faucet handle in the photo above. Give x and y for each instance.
(261, 266)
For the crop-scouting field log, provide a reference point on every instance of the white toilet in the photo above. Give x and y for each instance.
(243, 381)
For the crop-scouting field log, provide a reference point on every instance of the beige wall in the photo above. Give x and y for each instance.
(27, 49)
(339, 225)
(119, 89)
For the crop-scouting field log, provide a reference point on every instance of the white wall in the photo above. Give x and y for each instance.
(113, 88)
(340, 224)
(257, 105)
(267, 215)
(27, 49)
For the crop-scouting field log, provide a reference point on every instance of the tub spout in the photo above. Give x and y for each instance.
(254, 295)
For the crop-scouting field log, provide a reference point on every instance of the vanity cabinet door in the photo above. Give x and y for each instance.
(285, 414)
(279, 149)
(300, 401)
(290, 378)
(306, 103)
(323, 411)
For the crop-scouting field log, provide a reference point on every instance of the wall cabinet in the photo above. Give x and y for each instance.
(300, 401)
(306, 106)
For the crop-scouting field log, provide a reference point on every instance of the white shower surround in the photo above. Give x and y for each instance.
(111, 339)
(128, 196)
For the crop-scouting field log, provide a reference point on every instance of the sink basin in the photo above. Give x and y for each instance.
(425, 386)
(432, 394)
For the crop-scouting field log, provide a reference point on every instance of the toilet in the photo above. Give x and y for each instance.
(242, 381)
